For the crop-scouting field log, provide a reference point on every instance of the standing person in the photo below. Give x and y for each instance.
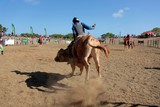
(1, 47)
(40, 40)
(125, 41)
(78, 28)
(128, 39)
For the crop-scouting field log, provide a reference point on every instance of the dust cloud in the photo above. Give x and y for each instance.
(85, 95)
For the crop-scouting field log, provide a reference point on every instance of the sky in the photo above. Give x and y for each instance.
(120, 17)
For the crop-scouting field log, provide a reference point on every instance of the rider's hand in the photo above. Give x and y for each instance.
(94, 25)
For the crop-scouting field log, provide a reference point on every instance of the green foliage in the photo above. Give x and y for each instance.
(56, 35)
(3, 29)
(29, 35)
(68, 36)
(156, 30)
(107, 35)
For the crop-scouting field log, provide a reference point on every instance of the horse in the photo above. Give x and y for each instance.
(128, 43)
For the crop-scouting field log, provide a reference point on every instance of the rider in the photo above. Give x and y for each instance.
(78, 28)
(128, 38)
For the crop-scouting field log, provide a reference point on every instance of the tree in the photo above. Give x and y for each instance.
(29, 35)
(104, 36)
(4, 30)
(156, 30)
(1, 28)
(69, 36)
(56, 35)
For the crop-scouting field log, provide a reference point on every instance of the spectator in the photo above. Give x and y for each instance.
(1, 47)
(128, 39)
(40, 40)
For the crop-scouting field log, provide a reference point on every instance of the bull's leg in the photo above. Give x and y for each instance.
(87, 67)
(87, 72)
(97, 63)
(73, 69)
(81, 70)
(86, 63)
(89, 59)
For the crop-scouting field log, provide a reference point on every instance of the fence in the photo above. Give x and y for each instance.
(149, 42)
(27, 41)
(153, 43)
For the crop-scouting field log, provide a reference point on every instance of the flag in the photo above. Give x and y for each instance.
(13, 29)
(31, 30)
(45, 32)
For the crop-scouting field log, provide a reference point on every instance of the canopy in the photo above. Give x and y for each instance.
(149, 33)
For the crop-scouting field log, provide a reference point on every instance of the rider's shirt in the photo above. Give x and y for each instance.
(128, 37)
(78, 28)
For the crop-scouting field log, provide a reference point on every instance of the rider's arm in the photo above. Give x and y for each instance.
(87, 27)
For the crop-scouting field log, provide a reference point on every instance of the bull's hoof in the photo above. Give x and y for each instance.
(80, 74)
(69, 75)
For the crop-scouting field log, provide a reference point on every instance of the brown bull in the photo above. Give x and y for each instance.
(84, 48)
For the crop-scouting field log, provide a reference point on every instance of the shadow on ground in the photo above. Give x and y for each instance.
(43, 81)
(119, 104)
(111, 104)
(157, 68)
(117, 49)
(48, 82)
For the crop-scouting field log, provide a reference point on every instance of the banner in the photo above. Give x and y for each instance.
(9, 41)
(24, 40)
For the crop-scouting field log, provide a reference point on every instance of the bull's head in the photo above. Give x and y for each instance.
(62, 55)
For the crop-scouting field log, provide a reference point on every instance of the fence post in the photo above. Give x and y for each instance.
(151, 43)
(158, 43)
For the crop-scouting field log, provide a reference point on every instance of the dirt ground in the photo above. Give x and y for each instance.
(31, 78)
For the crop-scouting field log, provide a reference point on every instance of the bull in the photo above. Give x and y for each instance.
(84, 48)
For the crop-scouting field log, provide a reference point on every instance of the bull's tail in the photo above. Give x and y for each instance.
(96, 44)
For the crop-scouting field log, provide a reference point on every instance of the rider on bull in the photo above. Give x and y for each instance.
(78, 28)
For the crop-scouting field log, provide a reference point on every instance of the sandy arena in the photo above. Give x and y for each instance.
(31, 78)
